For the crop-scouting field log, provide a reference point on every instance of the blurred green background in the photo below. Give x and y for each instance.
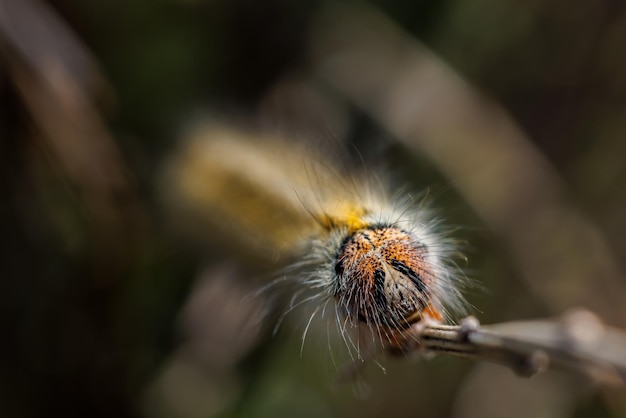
(107, 308)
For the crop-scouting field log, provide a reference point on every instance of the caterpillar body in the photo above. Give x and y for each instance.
(384, 263)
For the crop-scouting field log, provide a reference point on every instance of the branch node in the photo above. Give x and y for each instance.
(469, 324)
(582, 328)
(536, 362)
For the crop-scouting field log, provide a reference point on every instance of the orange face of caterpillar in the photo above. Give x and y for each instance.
(383, 279)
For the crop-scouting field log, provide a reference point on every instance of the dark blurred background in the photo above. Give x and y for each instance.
(108, 309)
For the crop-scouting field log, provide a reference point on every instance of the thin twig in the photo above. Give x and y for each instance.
(577, 341)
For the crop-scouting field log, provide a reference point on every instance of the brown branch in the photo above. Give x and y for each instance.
(578, 341)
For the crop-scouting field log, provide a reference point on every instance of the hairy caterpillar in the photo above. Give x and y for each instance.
(384, 264)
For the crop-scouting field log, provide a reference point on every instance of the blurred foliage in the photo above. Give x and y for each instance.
(95, 284)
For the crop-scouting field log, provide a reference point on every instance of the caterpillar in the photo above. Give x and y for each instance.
(383, 263)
